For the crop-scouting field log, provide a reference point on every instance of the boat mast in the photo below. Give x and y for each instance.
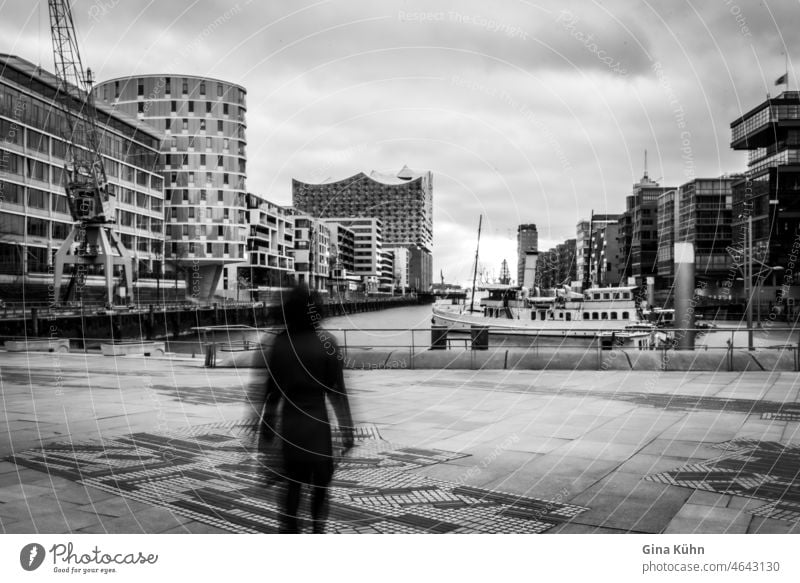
(475, 273)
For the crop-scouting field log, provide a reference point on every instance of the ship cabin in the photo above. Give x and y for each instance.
(595, 306)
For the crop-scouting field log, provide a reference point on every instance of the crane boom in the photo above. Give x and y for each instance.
(87, 185)
(93, 242)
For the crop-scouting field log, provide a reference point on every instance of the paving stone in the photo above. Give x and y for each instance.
(701, 519)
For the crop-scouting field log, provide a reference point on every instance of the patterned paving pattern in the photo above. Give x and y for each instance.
(213, 474)
(765, 470)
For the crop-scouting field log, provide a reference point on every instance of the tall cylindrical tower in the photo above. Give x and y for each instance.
(204, 163)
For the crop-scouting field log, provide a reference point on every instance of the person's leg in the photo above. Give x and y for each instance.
(291, 500)
(323, 472)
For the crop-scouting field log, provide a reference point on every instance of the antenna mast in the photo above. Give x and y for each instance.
(475, 273)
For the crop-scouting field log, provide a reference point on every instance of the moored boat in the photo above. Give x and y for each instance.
(610, 316)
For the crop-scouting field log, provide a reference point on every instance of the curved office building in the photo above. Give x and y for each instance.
(205, 169)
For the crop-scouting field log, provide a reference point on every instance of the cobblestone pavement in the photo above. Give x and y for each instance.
(94, 444)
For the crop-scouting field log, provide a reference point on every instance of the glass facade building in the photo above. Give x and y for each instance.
(403, 203)
(34, 218)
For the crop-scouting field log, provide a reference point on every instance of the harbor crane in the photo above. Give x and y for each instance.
(93, 242)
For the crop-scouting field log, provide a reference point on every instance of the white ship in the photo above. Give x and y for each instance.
(607, 316)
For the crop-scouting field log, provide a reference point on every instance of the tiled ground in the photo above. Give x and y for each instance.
(213, 475)
(763, 470)
(136, 445)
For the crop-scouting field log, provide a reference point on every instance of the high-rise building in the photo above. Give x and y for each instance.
(527, 240)
(34, 218)
(665, 256)
(639, 235)
(769, 191)
(204, 169)
(403, 203)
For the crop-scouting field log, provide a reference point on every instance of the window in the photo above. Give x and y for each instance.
(167, 85)
(606, 296)
(625, 315)
(140, 88)
(191, 212)
(613, 315)
(226, 213)
(604, 315)
(202, 125)
(533, 314)
(586, 315)
(202, 88)
(185, 124)
(225, 144)
(208, 107)
(219, 196)
(191, 107)
(208, 143)
(185, 87)
(227, 248)
(208, 248)
(220, 162)
(220, 231)
(224, 109)
(203, 194)
(202, 159)
(168, 125)
(37, 198)
(173, 106)
(219, 90)
(219, 126)
(569, 316)
(191, 247)
(185, 230)
(595, 316)
(37, 227)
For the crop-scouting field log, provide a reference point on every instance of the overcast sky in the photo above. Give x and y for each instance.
(525, 112)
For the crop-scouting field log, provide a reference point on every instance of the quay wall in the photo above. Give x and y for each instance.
(176, 324)
(655, 361)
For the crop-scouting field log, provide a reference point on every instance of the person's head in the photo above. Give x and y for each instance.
(302, 309)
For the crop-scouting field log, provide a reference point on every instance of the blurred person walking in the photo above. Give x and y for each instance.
(304, 367)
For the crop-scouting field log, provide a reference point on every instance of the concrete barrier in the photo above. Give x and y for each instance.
(39, 345)
(541, 359)
(133, 348)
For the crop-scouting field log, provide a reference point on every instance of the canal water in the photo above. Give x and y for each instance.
(411, 327)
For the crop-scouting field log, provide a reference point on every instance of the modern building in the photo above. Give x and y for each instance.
(638, 234)
(605, 263)
(527, 240)
(769, 195)
(311, 252)
(368, 247)
(705, 207)
(587, 268)
(34, 218)
(402, 202)
(556, 267)
(402, 267)
(665, 256)
(386, 275)
(270, 242)
(204, 164)
(582, 253)
(342, 258)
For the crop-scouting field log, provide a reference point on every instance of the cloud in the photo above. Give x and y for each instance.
(525, 112)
